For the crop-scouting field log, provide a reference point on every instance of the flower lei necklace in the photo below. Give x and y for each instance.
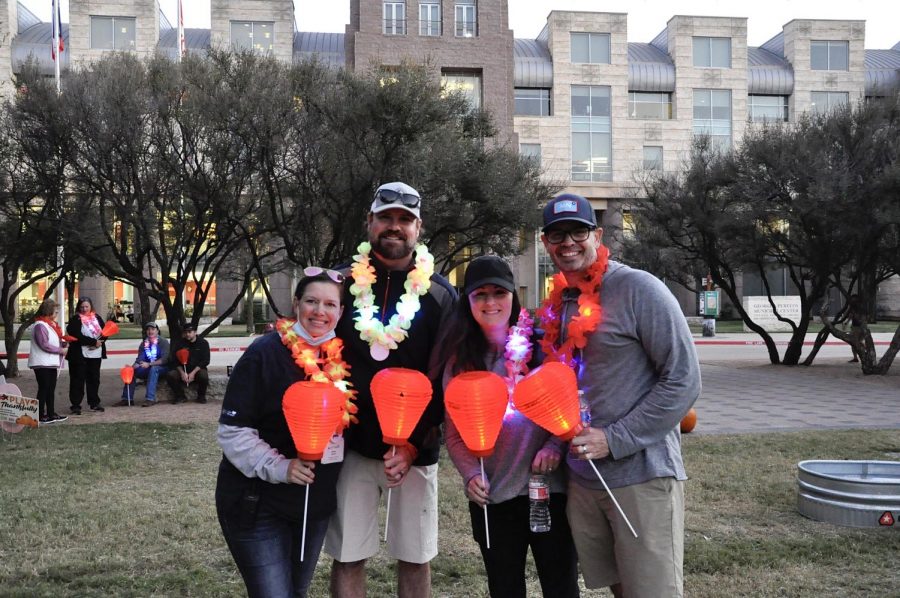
(308, 359)
(518, 350)
(150, 348)
(382, 339)
(581, 324)
(90, 322)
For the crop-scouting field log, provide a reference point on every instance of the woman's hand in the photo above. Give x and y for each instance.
(301, 472)
(478, 491)
(546, 461)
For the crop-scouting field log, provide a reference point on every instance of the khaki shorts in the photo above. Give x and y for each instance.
(355, 531)
(650, 566)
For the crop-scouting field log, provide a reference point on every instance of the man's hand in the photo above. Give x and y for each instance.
(590, 444)
(301, 472)
(397, 464)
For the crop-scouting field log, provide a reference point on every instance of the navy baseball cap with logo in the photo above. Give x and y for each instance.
(566, 207)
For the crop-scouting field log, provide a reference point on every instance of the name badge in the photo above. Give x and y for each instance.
(334, 452)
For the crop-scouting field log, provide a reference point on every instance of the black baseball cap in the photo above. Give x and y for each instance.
(569, 207)
(187, 327)
(488, 269)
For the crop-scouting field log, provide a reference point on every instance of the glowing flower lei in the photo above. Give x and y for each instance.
(518, 350)
(308, 359)
(381, 338)
(581, 324)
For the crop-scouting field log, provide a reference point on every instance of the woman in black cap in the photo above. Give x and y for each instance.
(149, 365)
(490, 331)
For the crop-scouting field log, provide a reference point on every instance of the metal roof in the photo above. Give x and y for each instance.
(661, 41)
(882, 71)
(768, 73)
(650, 69)
(328, 48)
(35, 41)
(533, 65)
(26, 18)
(775, 45)
(197, 41)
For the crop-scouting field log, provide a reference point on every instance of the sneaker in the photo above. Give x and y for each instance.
(148, 403)
(44, 419)
(56, 417)
(75, 410)
(201, 399)
(122, 403)
(177, 400)
(97, 408)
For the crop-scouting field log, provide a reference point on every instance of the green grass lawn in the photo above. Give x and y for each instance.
(732, 326)
(132, 331)
(127, 510)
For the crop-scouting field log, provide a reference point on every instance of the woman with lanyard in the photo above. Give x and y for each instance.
(260, 489)
(45, 357)
(85, 355)
(490, 331)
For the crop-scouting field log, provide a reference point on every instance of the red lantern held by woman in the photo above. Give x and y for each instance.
(109, 328)
(127, 374)
(400, 396)
(476, 402)
(548, 396)
(313, 411)
(689, 421)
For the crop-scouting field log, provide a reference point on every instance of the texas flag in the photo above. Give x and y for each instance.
(56, 42)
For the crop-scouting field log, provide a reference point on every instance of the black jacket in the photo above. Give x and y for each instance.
(73, 328)
(415, 352)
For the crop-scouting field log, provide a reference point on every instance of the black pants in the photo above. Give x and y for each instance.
(46, 392)
(553, 551)
(84, 374)
(201, 379)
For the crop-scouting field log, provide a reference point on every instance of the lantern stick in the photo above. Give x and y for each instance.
(487, 532)
(303, 538)
(387, 516)
(128, 393)
(615, 502)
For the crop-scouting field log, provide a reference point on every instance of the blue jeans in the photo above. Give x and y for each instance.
(267, 553)
(150, 374)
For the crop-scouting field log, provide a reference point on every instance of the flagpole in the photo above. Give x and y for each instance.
(55, 51)
(181, 40)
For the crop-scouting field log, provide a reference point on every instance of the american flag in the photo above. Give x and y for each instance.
(56, 43)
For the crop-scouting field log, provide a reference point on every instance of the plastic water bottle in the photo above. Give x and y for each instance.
(585, 410)
(539, 493)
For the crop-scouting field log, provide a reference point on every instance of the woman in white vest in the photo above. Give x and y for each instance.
(47, 351)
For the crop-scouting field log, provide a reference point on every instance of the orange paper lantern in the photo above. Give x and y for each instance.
(476, 401)
(127, 374)
(689, 421)
(400, 396)
(548, 396)
(182, 356)
(69, 338)
(313, 412)
(109, 329)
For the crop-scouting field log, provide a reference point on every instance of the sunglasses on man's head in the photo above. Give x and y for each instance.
(390, 196)
(316, 270)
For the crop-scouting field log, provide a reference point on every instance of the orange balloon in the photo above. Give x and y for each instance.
(476, 402)
(400, 396)
(127, 374)
(313, 411)
(109, 329)
(689, 421)
(182, 356)
(548, 396)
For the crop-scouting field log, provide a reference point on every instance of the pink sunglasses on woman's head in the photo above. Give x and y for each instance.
(316, 270)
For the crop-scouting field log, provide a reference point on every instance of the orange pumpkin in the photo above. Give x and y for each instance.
(689, 421)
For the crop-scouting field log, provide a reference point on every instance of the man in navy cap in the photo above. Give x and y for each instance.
(638, 370)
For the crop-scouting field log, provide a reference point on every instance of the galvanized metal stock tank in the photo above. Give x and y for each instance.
(851, 493)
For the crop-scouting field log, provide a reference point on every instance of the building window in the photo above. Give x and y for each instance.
(466, 18)
(253, 35)
(653, 157)
(532, 102)
(467, 84)
(642, 104)
(531, 151)
(768, 108)
(395, 18)
(712, 116)
(590, 48)
(829, 56)
(591, 133)
(429, 19)
(826, 101)
(112, 33)
(712, 52)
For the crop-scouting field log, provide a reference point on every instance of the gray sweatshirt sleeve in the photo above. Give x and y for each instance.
(666, 339)
(251, 455)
